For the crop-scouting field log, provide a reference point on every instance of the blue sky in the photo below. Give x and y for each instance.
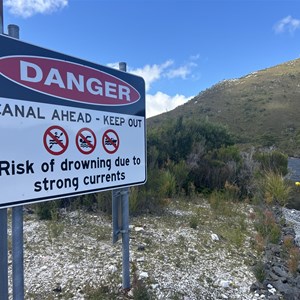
(180, 47)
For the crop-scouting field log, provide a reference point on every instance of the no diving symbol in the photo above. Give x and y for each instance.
(56, 140)
(86, 141)
(110, 141)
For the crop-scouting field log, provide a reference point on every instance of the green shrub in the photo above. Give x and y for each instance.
(274, 161)
(134, 200)
(266, 226)
(220, 205)
(235, 236)
(180, 172)
(47, 210)
(259, 271)
(104, 201)
(194, 221)
(268, 139)
(150, 197)
(101, 292)
(167, 187)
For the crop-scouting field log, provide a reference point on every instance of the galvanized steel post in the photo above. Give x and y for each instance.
(1, 17)
(3, 255)
(120, 216)
(3, 224)
(125, 222)
(13, 31)
(17, 227)
(17, 253)
(125, 237)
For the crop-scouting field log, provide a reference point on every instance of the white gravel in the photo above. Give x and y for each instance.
(178, 262)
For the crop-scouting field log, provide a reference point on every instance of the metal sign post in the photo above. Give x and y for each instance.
(3, 255)
(1, 17)
(125, 237)
(3, 224)
(17, 253)
(120, 216)
(17, 227)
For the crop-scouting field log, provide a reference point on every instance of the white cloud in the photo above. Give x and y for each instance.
(287, 24)
(155, 72)
(27, 8)
(182, 71)
(152, 73)
(160, 103)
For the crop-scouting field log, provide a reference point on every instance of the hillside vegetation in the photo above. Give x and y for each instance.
(261, 108)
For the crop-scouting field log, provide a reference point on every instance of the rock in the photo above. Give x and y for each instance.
(272, 291)
(130, 294)
(139, 229)
(155, 286)
(281, 287)
(225, 284)
(140, 259)
(214, 237)
(279, 271)
(112, 269)
(256, 286)
(58, 289)
(144, 275)
(273, 276)
(274, 297)
(44, 268)
(141, 248)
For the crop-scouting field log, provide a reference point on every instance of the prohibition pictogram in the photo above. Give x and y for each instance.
(110, 141)
(56, 140)
(86, 141)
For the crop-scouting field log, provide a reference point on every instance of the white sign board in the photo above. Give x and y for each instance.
(67, 127)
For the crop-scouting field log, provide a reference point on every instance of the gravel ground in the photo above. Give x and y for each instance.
(176, 260)
(293, 216)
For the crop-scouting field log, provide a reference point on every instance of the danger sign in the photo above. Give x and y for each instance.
(70, 126)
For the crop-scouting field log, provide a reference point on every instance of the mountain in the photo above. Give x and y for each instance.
(260, 109)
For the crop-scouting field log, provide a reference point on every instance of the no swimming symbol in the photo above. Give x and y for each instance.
(86, 141)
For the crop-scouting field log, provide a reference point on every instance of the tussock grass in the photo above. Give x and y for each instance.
(276, 189)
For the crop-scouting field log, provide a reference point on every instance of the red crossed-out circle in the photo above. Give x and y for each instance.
(83, 142)
(110, 141)
(57, 138)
